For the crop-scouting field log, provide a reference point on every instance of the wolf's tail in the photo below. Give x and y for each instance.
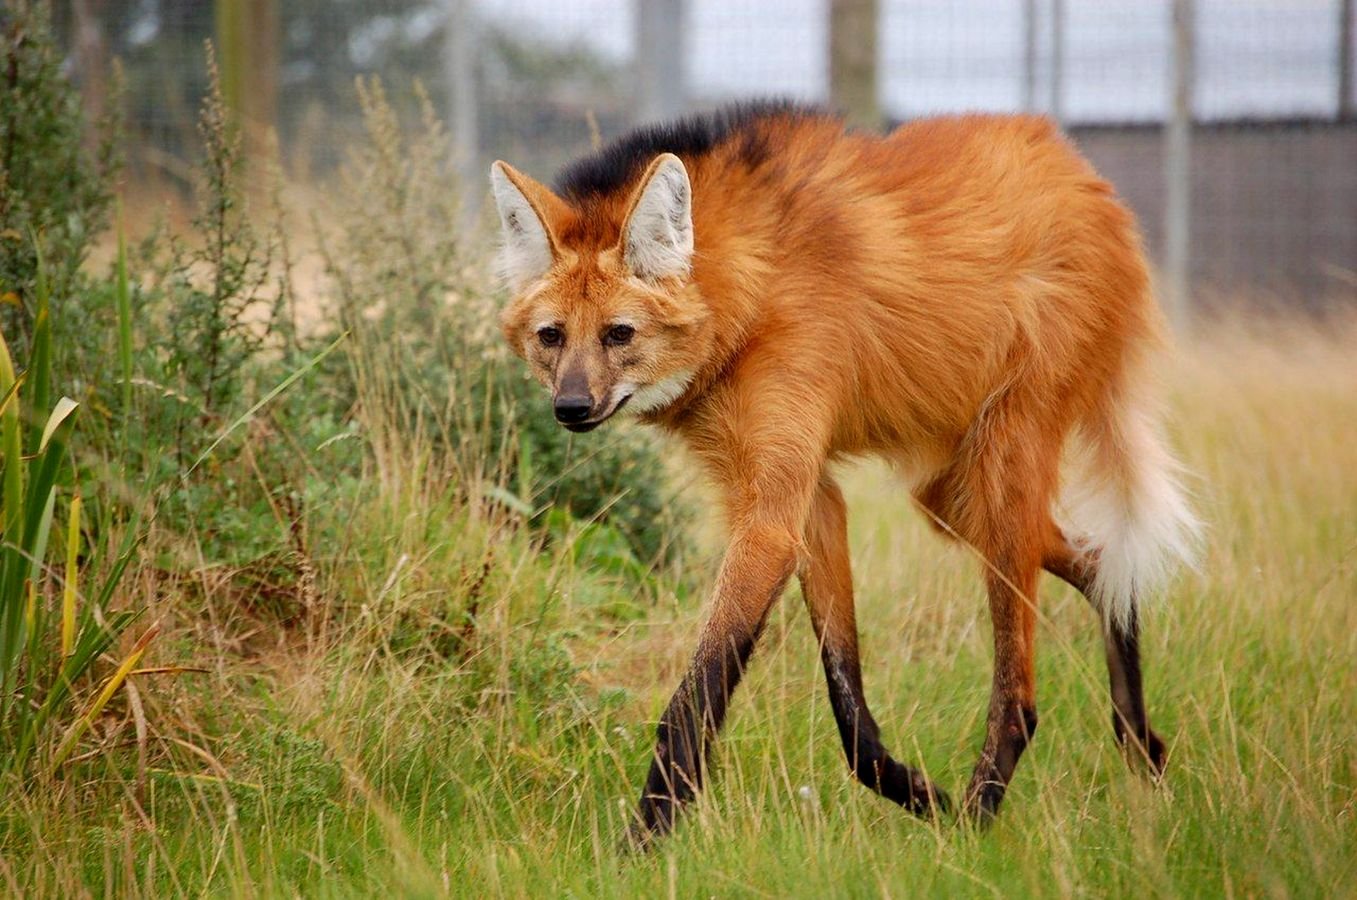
(1127, 503)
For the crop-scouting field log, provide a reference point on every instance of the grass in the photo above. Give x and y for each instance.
(38, 673)
(356, 673)
(354, 757)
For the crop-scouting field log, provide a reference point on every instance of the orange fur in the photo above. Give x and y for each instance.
(959, 296)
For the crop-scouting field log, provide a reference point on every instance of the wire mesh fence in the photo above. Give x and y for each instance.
(1272, 160)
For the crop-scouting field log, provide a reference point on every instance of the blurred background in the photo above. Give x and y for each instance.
(1228, 125)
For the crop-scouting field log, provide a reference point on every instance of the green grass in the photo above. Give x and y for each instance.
(355, 757)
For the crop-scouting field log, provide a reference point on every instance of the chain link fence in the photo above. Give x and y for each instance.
(1271, 183)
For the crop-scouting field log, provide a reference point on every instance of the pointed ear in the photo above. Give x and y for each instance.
(526, 207)
(657, 239)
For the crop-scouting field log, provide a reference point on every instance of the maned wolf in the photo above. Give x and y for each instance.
(963, 296)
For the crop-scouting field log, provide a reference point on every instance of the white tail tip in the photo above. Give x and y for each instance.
(1127, 504)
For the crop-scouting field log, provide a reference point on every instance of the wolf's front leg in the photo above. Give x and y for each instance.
(765, 450)
(753, 574)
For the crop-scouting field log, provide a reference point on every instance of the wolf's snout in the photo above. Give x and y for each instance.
(573, 409)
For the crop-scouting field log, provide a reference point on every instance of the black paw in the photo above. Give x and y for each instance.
(1156, 754)
(1144, 748)
(907, 787)
(983, 797)
(638, 841)
(926, 799)
(654, 819)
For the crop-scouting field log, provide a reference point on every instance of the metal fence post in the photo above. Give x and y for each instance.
(661, 41)
(852, 61)
(1178, 168)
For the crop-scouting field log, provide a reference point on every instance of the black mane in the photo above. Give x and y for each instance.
(621, 160)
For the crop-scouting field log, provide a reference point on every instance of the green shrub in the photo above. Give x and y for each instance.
(218, 314)
(211, 315)
(190, 370)
(55, 191)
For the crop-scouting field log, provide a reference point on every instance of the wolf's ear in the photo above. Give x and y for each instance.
(528, 247)
(657, 239)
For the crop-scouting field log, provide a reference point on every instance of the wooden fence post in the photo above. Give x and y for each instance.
(661, 41)
(1178, 169)
(853, 61)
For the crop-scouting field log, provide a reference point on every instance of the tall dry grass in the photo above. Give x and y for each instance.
(389, 660)
(361, 764)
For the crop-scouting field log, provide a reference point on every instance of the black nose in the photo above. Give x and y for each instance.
(573, 410)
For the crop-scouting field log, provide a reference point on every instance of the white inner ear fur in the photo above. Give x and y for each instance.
(659, 238)
(525, 248)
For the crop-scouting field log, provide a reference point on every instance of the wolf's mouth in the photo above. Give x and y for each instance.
(591, 424)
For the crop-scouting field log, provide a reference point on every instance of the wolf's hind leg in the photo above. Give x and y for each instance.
(1121, 641)
(995, 496)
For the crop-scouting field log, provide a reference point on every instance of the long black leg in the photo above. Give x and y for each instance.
(1129, 720)
(687, 729)
(1121, 643)
(753, 574)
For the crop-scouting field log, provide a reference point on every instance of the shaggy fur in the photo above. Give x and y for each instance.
(964, 296)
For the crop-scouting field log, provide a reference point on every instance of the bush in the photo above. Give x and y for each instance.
(55, 192)
(247, 444)
(56, 620)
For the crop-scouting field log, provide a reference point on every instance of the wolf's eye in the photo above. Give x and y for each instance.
(619, 335)
(550, 336)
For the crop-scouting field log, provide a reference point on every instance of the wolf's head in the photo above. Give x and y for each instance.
(604, 309)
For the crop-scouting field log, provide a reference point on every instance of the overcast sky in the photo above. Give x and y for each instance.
(1256, 57)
